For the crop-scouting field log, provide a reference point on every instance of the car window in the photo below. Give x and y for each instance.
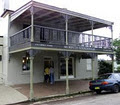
(117, 76)
(106, 76)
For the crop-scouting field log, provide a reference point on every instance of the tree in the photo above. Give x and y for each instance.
(116, 44)
(118, 69)
(104, 67)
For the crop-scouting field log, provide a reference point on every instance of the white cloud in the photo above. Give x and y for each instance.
(104, 9)
(104, 57)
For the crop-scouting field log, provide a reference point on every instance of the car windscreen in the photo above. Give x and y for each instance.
(106, 76)
(117, 76)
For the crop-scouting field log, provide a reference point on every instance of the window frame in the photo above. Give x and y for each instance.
(73, 70)
(89, 64)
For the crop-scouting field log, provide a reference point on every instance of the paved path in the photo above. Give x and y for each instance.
(46, 89)
(8, 95)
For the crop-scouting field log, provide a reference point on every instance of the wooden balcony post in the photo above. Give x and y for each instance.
(92, 68)
(31, 75)
(111, 28)
(93, 59)
(113, 63)
(92, 25)
(67, 81)
(66, 55)
(32, 24)
(66, 28)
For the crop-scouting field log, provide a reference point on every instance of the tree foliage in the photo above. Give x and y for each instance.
(117, 53)
(116, 44)
(104, 67)
(118, 69)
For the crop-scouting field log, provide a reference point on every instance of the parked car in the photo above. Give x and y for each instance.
(107, 82)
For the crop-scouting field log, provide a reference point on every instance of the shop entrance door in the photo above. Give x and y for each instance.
(48, 62)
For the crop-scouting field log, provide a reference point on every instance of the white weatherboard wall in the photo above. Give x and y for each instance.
(5, 57)
(15, 27)
(1, 63)
(1, 52)
(17, 76)
(1, 40)
(81, 69)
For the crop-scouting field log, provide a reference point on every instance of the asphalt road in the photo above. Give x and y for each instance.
(87, 99)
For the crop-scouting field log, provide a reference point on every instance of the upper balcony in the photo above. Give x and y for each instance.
(52, 28)
(51, 38)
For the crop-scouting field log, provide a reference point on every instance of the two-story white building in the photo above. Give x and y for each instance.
(39, 35)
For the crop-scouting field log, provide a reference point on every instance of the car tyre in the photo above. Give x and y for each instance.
(115, 88)
(98, 91)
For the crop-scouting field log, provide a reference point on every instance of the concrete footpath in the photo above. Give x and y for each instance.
(9, 95)
(42, 90)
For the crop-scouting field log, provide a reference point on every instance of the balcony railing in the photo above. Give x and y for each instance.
(21, 37)
(55, 36)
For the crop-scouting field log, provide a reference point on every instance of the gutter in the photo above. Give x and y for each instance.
(53, 97)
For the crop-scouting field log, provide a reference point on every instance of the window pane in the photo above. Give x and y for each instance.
(116, 76)
(63, 67)
(89, 67)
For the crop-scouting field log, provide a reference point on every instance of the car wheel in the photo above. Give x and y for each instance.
(98, 91)
(115, 88)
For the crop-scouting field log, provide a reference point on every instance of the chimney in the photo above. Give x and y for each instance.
(5, 4)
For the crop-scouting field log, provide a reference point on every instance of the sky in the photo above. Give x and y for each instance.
(104, 9)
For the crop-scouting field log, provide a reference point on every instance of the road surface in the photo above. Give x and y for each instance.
(89, 99)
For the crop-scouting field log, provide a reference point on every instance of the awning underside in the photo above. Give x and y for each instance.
(55, 19)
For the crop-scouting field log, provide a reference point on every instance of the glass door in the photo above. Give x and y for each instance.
(63, 68)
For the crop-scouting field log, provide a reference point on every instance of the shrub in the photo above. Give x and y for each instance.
(104, 67)
(118, 69)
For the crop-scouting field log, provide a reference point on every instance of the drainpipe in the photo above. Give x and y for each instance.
(5, 4)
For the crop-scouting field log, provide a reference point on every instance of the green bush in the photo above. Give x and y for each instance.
(104, 67)
(118, 69)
